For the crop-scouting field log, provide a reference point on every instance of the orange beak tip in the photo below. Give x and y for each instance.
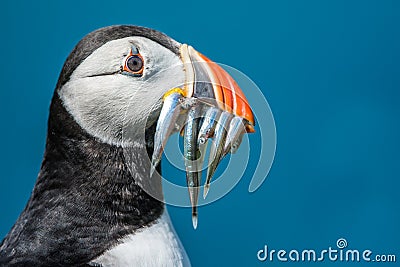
(250, 128)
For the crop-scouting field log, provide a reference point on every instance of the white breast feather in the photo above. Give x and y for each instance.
(156, 245)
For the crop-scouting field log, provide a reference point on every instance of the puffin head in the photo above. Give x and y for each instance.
(115, 76)
(121, 81)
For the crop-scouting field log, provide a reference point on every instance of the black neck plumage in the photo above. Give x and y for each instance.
(85, 199)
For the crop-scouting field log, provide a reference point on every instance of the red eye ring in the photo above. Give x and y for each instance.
(134, 64)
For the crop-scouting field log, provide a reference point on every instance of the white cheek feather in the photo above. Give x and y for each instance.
(105, 105)
(156, 245)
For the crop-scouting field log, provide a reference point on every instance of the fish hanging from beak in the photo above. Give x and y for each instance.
(210, 106)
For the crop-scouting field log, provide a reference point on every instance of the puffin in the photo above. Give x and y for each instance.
(98, 198)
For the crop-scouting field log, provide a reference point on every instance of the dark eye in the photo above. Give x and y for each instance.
(134, 63)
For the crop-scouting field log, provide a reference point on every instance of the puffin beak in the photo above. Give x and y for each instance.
(209, 107)
(206, 79)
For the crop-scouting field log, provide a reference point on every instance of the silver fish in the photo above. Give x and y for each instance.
(235, 134)
(208, 125)
(217, 151)
(206, 131)
(236, 144)
(166, 125)
(198, 121)
(192, 159)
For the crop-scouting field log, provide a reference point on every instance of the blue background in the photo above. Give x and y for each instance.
(330, 71)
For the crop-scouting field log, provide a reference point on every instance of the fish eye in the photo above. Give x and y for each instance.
(134, 63)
